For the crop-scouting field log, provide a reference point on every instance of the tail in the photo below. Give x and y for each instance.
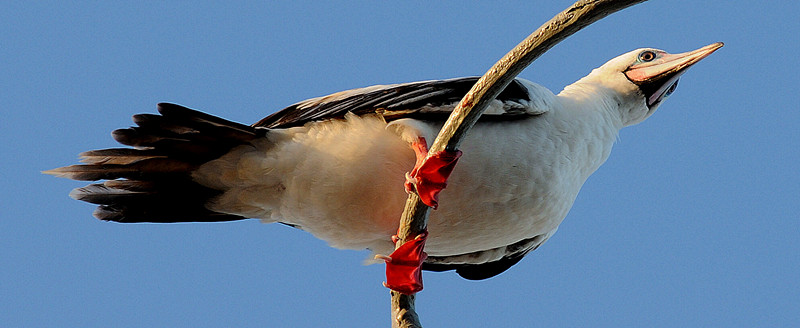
(152, 182)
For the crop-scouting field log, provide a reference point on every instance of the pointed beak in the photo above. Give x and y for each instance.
(658, 78)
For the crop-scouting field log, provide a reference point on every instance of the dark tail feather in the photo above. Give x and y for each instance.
(152, 182)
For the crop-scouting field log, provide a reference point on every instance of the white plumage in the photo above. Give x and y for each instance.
(342, 180)
(334, 166)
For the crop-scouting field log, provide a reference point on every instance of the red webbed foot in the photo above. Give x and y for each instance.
(404, 266)
(429, 177)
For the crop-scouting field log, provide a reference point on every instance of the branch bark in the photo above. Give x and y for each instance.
(466, 114)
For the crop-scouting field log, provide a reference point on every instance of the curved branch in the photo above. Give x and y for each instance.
(467, 112)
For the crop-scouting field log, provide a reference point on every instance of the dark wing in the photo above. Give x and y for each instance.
(479, 271)
(431, 100)
(153, 181)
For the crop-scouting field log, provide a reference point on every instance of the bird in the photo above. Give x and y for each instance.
(340, 166)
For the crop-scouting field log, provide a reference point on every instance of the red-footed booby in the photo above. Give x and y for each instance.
(336, 166)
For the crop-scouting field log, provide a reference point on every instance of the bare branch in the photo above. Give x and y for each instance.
(467, 112)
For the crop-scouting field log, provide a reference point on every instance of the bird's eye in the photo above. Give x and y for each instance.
(647, 56)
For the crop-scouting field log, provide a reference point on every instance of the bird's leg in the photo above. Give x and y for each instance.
(429, 177)
(404, 265)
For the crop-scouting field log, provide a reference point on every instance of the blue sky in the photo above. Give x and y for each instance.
(693, 221)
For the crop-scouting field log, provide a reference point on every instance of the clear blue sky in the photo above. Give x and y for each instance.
(693, 221)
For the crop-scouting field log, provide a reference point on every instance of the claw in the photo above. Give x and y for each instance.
(404, 266)
(429, 177)
(382, 257)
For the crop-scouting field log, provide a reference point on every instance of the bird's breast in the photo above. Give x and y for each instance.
(515, 180)
(343, 180)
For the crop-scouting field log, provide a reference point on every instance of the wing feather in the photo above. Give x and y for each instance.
(478, 271)
(428, 100)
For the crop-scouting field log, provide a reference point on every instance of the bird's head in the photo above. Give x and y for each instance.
(641, 79)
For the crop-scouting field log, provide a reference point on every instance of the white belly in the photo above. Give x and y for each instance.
(343, 182)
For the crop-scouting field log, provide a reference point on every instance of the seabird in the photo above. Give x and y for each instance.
(336, 166)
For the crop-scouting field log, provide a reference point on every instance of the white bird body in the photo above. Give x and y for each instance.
(335, 166)
(342, 180)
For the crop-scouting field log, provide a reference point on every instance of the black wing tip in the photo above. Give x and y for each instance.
(124, 136)
(165, 106)
(124, 215)
(127, 201)
(152, 181)
(480, 271)
(73, 172)
(171, 110)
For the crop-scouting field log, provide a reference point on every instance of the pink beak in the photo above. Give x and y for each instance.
(658, 78)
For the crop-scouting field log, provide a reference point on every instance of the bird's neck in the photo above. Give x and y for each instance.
(589, 122)
(588, 98)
